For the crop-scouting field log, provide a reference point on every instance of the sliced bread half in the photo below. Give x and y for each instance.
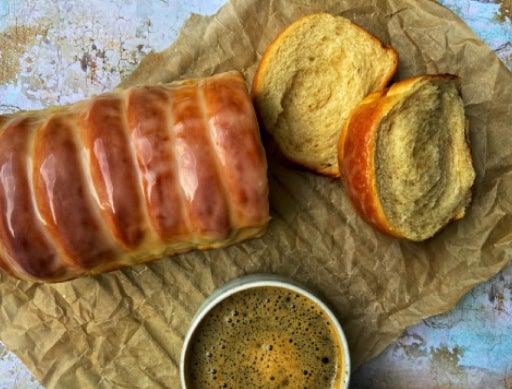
(309, 79)
(405, 159)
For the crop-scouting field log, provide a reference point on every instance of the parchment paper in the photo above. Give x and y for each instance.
(125, 329)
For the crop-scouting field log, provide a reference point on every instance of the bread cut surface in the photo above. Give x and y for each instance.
(405, 158)
(310, 78)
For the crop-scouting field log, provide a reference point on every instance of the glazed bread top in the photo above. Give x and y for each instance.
(127, 177)
(405, 158)
(310, 78)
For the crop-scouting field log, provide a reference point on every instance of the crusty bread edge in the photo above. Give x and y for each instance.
(356, 150)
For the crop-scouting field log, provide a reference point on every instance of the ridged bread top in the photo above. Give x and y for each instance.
(126, 177)
(309, 79)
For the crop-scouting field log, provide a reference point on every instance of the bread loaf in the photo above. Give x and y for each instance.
(404, 157)
(310, 78)
(128, 177)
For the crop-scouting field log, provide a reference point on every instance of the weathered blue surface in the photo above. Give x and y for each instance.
(485, 18)
(89, 45)
(468, 347)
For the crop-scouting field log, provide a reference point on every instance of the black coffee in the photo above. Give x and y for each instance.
(266, 337)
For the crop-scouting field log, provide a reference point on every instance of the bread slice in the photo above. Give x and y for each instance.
(310, 78)
(405, 159)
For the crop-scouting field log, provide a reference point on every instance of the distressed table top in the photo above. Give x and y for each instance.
(466, 347)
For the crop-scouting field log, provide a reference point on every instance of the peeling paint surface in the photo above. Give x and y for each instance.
(491, 20)
(468, 347)
(89, 46)
(13, 374)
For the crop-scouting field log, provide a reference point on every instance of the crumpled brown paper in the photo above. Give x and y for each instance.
(125, 328)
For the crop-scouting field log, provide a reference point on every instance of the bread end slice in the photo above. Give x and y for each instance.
(405, 159)
(309, 79)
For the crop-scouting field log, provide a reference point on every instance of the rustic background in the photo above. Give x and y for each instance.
(88, 47)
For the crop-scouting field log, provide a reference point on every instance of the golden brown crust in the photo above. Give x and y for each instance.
(203, 192)
(148, 116)
(356, 158)
(34, 253)
(233, 136)
(63, 198)
(105, 140)
(125, 177)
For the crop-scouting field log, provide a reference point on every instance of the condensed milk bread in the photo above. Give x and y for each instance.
(309, 79)
(405, 159)
(126, 177)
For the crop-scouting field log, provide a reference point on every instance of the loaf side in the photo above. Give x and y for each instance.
(127, 177)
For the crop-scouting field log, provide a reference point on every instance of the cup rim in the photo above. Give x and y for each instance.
(255, 281)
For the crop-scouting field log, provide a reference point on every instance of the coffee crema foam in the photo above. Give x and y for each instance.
(265, 337)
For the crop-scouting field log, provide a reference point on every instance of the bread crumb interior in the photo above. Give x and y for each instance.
(423, 165)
